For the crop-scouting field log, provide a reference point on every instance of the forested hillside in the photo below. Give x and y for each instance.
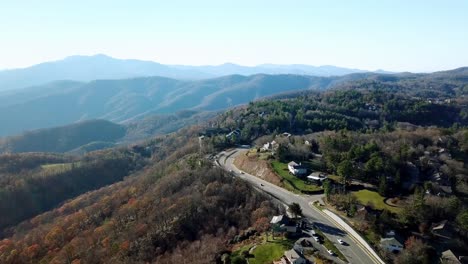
(358, 110)
(83, 137)
(176, 207)
(63, 139)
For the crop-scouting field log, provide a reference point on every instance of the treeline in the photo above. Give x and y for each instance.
(356, 110)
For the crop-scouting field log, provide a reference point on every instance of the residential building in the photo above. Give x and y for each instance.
(296, 169)
(442, 230)
(293, 257)
(317, 176)
(280, 220)
(449, 258)
(391, 244)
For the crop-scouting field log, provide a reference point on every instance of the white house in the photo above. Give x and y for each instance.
(391, 244)
(317, 176)
(269, 146)
(296, 169)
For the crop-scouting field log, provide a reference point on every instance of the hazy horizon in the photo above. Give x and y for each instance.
(416, 36)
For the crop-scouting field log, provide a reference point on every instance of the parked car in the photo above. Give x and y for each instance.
(331, 252)
(341, 241)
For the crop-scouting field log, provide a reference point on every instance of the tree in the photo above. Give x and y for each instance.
(238, 260)
(282, 152)
(383, 186)
(344, 170)
(462, 220)
(415, 252)
(327, 188)
(295, 209)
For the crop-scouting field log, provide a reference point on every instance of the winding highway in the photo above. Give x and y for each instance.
(356, 250)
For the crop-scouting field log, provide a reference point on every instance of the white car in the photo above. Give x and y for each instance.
(341, 241)
(316, 238)
(330, 252)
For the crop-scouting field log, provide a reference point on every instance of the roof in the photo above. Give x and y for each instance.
(439, 226)
(289, 228)
(449, 257)
(390, 241)
(292, 255)
(317, 176)
(279, 219)
(296, 166)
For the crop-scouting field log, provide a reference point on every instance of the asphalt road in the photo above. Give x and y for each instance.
(353, 251)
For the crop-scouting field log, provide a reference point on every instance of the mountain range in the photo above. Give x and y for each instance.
(88, 68)
(125, 100)
(65, 102)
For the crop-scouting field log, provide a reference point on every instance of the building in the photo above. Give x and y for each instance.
(296, 169)
(391, 244)
(442, 230)
(317, 176)
(449, 258)
(293, 257)
(280, 220)
(269, 146)
(234, 133)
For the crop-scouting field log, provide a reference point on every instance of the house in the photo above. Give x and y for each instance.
(269, 146)
(390, 233)
(289, 228)
(296, 169)
(391, 244)
(282, 223)
(441, 230)
(293, 257)
(280, 220)
(233, 133)
(317, 176)
(449, 258)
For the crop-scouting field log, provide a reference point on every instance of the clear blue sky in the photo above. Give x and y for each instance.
(395, 35)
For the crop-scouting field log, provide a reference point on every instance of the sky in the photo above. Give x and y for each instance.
(417, 36)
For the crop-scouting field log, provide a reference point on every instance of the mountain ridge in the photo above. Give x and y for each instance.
(100, 66)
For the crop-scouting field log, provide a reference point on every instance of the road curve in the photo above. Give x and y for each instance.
(354, 251)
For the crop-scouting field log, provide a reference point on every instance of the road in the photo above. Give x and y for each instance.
(354, 251)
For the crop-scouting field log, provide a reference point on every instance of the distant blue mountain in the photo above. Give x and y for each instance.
(88, 68)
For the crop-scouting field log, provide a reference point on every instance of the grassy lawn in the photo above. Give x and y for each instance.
(271, 250)
(292, 181)
(329, 245)
(366, 196)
